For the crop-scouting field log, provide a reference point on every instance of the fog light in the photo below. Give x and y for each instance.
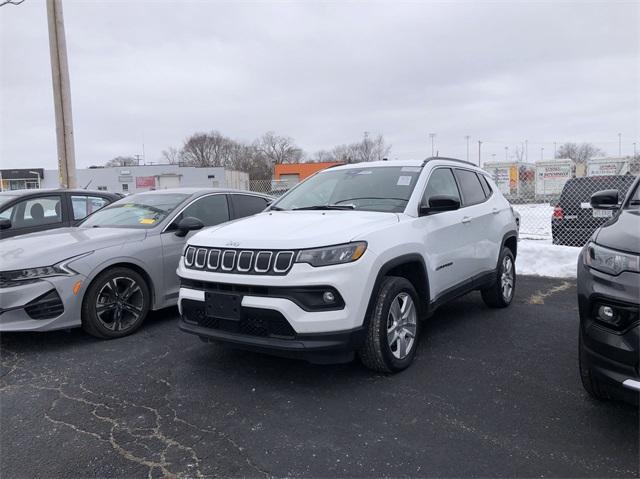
(606, 313)
(328, 297)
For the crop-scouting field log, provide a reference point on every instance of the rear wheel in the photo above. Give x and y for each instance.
(392, 332)
(115, 304)
(501, 292)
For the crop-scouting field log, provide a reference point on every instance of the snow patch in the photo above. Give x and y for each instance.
(542, 258)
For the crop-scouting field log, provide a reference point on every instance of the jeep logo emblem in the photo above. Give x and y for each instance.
(233, 243)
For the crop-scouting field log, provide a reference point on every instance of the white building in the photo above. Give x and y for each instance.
(132, 179)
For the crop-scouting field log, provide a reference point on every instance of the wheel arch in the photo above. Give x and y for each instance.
(126, 264)
(410, 266)
(510, 240)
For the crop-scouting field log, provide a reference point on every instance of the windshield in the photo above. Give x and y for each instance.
(136, 211)
(386, 188)
(634, 201)
(4, 199)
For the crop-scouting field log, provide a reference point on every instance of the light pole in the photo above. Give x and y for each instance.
(479, 152)
(467, 138)
(526, 150)
(541, 153)
(555, 150)
(432, 136)
(619, 145)
(634, 150)
(61, 95)
(506, 153)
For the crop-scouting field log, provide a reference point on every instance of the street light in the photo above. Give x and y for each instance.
(619, 145)
(541, 153)
(432, 136)
(467, 138)
(506, 153)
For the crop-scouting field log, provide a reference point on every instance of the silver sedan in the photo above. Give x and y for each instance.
(106, 274)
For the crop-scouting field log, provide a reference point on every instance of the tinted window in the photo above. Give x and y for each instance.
(83, 205)
(45, 210)
(441, 182)
(211, 210)
(472, 192)
(245, 205)
(485, 185)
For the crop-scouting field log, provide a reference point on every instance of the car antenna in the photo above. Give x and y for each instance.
(87, 185)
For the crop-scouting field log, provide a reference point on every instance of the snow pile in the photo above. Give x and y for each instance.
(535, 220)
(541, 258)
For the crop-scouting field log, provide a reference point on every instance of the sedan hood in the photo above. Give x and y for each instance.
(621, 232)
(50, 247)
(294, 229)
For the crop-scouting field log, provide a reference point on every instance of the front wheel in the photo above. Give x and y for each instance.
(115, 304)
(501, 292)
(392, 331)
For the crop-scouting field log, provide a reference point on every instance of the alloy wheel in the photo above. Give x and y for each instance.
(119, 303)
(506, 278)
(401, 325)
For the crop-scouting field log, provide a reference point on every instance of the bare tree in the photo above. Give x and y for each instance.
(579, 153)
(207, 149)
(10, 2)
(122, 161)
(171, 155)
(369, 149)
(279, 149)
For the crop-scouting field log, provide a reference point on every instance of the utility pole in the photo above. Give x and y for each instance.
(634, 150)
(555, 150)
(467, 138)
(619, 145)
(61, 95)
(506, 153)
(526, 150)
(479, 152)
(541, 153)
(432, 136)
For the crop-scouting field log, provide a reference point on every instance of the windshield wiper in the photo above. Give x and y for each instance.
(326, 207)
(275, 208)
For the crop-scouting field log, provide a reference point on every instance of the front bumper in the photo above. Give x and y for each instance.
(44, 305)
(329, 332)
(613, 356)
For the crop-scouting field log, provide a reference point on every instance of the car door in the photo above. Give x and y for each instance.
(478, 220)
(35, 213)
(82, 205)
(211, 209)
(447, 247)
(246, 205)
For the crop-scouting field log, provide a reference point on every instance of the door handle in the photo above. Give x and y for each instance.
(466, 219)
(495, 211)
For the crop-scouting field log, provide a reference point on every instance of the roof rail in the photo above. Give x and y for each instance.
(433, 158)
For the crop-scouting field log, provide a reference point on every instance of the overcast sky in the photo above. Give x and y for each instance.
(323, 73)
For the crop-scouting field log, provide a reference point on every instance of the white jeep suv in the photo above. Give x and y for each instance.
(350, 260)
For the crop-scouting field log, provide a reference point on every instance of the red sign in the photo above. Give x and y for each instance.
(145, 181)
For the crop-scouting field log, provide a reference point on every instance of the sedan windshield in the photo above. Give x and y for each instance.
(386, 188)
(144, 210)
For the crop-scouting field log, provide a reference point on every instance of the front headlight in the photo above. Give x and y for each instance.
(609, 260)
(343, 253)
(29, 275)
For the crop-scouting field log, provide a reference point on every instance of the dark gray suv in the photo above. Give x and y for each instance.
(609, 300)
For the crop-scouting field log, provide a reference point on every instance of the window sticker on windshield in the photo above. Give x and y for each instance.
(364, 172)
(404, 181)
(128, 205)
(146, 221)
(411, 169)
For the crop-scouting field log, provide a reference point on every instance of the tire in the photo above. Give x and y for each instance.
(589, 383)
(106, 316)
(500, 294)
(377, 351)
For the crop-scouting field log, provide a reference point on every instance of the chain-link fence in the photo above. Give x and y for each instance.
(563, 215)
(270, 187)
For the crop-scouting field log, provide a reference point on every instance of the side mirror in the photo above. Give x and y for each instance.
(605, 200)
(5, 224)
(439, 203)
(188, 224)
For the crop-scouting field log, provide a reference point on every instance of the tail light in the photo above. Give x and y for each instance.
(558, 213)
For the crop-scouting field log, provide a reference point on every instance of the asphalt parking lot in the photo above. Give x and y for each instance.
(492, 393)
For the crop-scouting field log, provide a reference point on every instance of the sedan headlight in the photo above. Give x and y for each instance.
(343, 253)
(610, 261)
(29, 275)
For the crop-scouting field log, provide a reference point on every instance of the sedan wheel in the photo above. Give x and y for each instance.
(401, 325)
(116, 303)
(506, 279)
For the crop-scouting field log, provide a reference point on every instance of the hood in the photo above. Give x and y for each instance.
(294, 229)
(621, 232)
(50, 247)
